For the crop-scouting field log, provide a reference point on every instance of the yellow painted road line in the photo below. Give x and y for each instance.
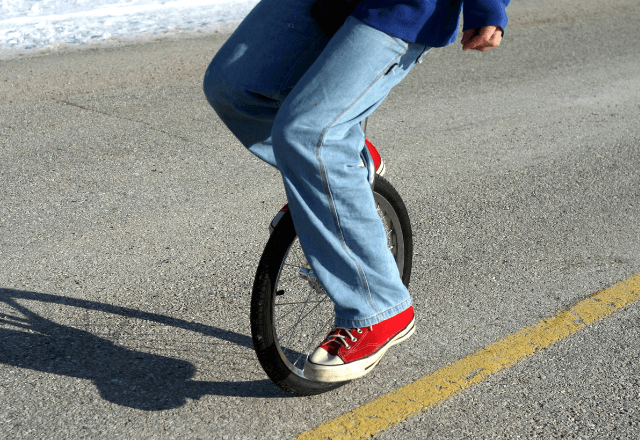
(397, 406)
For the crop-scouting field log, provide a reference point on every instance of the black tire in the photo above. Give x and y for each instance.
(285, 299)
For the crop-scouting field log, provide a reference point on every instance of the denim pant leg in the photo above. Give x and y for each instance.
(252, 73)
(317, 141)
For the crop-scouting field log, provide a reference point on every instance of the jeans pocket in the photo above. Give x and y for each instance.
(391, 69)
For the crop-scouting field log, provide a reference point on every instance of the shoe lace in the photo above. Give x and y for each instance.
(338, 336)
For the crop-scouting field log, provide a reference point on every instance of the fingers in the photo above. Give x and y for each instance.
(482, 39)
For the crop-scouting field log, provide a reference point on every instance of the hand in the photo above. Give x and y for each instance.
(482, 39)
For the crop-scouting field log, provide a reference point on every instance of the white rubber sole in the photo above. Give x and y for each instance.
(356, 369)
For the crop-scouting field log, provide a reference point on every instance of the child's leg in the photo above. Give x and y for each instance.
(317, 141)
(257, 67)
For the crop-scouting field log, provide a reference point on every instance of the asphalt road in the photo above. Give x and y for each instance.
(131, 223)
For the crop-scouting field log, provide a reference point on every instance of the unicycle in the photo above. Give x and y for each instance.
(291, 313)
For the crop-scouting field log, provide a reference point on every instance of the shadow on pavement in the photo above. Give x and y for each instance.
(130, 378)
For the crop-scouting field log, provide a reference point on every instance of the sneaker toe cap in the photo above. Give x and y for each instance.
(321, 357)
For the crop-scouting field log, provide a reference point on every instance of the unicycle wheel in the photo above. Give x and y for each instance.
(291, 313)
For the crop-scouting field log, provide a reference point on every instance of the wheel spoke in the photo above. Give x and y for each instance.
(311, 344)
(299, 302)
(295, 324)
(291, 279)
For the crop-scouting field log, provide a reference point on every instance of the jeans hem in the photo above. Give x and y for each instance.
(375, 319)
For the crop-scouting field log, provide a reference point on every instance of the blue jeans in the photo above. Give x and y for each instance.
(296, 98)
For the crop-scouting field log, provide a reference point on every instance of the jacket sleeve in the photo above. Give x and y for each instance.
(479, 13)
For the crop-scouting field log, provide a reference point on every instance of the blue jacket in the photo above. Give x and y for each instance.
(430, 22)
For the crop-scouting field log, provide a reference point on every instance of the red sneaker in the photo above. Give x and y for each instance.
(348, 354)
(377, 160)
